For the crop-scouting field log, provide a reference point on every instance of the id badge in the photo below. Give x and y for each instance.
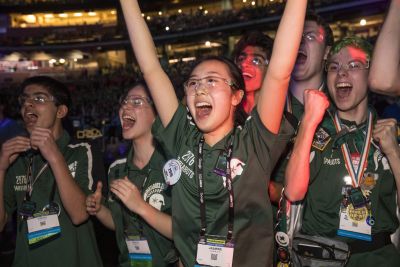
(139, 251)
(354, 223)
(215, 251)
(42, 226)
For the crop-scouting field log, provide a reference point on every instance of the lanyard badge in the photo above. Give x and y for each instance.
(215, 250)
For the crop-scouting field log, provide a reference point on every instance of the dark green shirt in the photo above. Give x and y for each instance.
(327, 170)
(255, 151)
(151, 182)
(76, 245)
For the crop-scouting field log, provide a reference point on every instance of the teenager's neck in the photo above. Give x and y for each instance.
(214, 137)
(250, 101)
(359, 114)
(297, 88)
(143, 148)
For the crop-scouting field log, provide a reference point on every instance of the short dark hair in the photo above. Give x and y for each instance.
(56, 88)
(328, 34)
(254, 38)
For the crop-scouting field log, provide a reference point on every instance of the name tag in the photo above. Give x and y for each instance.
(139, 251)
(42, 227)
(354, 223)
(215, 252)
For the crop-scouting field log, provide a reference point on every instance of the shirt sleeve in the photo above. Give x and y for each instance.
(82, 161)
(10, 201)
(176, 132)
(268, 146)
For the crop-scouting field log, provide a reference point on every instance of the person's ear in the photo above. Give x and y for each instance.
(237, 97)
(62, 111)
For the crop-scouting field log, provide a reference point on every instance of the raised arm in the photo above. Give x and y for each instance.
(297, 174)
(286, 45)
(384, 76)
(161, 88)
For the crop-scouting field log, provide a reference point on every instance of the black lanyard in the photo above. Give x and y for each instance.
(228, 184)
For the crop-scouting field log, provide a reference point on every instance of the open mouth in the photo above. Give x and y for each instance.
(203, 109)
(301, 57)
(30, 118)
(343, 89)
(247, 76)
(128, 122)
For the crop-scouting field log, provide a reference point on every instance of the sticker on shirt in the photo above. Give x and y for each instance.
(172, 171)
(321, 139)
(43, 226)
(214, 251)
(139, 251)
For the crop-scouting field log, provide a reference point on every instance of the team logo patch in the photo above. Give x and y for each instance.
(153, 195)
(321, 139)
(236, 167)
(72, 168)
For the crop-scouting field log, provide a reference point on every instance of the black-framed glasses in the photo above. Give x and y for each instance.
(355, 65)
(38, 99)
(135, 101)
(208, 82)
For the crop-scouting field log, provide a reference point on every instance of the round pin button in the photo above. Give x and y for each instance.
(172, 171)
(282, 239)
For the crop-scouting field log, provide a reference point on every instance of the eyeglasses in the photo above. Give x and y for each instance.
(135, 101)
(211, 82)
(37, 99)
(354, 65)
(255, 60)
(312, 36)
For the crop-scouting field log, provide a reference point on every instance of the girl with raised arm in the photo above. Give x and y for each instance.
(221, 215)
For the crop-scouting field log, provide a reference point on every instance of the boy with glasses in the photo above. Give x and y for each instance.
(45, 179)
(349, 177)
(251, 54)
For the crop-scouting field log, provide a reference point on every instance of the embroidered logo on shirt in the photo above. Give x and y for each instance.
(72, 168)
(20, 183)
(153, 195)
(321, 139)
(331, 161)
(236, 167)
(379, 157)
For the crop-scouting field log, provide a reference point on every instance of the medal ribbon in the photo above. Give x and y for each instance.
(228, 184)
(356, 175)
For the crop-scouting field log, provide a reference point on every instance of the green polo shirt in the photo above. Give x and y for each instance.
(76, 245)
(255, 151)
(151, 182)
(324, 195)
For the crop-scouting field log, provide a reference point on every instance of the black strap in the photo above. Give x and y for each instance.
(228, 185)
